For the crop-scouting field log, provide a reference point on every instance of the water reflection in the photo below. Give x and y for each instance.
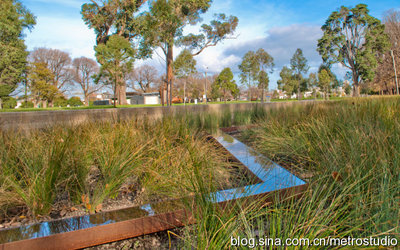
(274, 177)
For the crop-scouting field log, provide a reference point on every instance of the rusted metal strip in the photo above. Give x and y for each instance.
(136, 227)
(105, 233)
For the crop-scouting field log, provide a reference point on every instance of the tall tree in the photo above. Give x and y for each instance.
(114, 17)
(84, 70)
(298, 64)
(388, 72)
(14, 18)
(287, 82)
(264, 61)
(324, 81)
(58, 62)
(164, 24)
(226, 83)
(356, 40)
(248, 68)
(263, 81)
(116, 57)
(313, 83)
(184, 67)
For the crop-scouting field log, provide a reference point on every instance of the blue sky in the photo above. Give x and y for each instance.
(280, 27)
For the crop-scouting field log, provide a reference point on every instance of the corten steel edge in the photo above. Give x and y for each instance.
(271, 182)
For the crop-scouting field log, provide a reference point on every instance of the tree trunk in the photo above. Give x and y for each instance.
(1, 103)
(356, 85)
(121, 93)
(170, 58)
(225, 96)
(86, 100)
(262, 95)
(115, 92)
(298, 92)
(184, 93)
(356, 90)
(161, 90)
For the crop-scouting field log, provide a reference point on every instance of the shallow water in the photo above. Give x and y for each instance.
(274, 177)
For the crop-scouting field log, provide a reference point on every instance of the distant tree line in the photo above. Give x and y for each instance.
(351, 37)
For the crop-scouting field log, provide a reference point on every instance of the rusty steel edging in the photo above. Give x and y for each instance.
(135, 227)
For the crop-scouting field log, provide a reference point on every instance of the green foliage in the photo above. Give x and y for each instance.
(356, 40)
(60, 101)
(27, 104)
(263, 80)
(116, 58)
(347, 89)
(35, 167)
(184, 64)
(298, 64)
(40, 79)
(106, 17)
(248, 68)
(253, 63)
(312, 80)
(325, 81)
(356, 139)
(219, 29)
(287, 82)
(9, 102)
(75, 101)
(162, 26)
(95, 162)
(225, 82)
(14, 18)
(253, 69)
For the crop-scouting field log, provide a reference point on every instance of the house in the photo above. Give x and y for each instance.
(143, 98)
(307, 94)
(282, 94)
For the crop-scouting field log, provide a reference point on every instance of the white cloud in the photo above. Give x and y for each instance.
(70, 35)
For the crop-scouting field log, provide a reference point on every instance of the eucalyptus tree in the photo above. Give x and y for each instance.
(299, 66)
(263, 81)
(184, 66)
(14, 19)
(116, 57)
(264, 61)
(324, 81)
(115, 17)
(248, 68)
(253, 64)
(287, 82)
(163, 24)
(313, 83)
(355, 39)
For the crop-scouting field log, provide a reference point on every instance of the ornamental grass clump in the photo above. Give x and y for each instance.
(355, 141)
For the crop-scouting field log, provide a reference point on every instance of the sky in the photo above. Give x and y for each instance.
(277, 26)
